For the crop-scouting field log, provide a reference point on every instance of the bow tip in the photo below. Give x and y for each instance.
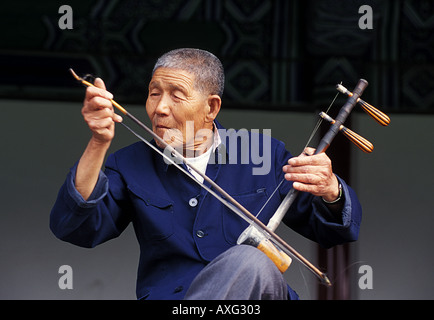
(326, 280)
(74, 74)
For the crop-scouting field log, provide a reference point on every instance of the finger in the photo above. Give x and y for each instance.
(103, 113)
(117, 118)
(303, 178)
(99, 83)
(97, 92)
(308, 151)
(314, 160)
(98, 103)
(302, 160)
(110, 113)
(316, 167)
(299, 169)
(313, 189)
(293, 161)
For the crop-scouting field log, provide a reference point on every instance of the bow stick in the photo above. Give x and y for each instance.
(260, 228)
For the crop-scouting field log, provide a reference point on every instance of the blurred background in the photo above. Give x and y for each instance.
(283, 59)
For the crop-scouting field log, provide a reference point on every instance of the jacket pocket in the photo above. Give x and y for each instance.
(233, 225)
(153, 218)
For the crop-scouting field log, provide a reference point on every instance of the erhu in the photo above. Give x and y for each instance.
(251, 235)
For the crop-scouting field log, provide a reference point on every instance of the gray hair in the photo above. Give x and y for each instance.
(207, 68)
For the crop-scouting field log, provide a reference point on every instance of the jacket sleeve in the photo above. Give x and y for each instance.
(90, 222)
(311, 217)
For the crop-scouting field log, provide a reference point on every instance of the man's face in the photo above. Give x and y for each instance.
(172, 101)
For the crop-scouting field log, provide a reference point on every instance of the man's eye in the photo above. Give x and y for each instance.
(178, 96)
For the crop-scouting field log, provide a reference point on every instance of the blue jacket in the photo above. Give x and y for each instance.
(179, 226)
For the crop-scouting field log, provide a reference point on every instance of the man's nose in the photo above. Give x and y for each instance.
(163, 106)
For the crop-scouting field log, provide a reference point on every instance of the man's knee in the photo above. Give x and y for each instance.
(241, 272)
(251, 258)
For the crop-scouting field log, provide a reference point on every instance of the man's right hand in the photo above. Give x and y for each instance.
(98, 113)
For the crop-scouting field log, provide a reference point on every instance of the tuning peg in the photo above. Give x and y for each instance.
(376, 114)
(355, 138)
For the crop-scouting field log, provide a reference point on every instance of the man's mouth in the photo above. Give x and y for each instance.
(160, 126)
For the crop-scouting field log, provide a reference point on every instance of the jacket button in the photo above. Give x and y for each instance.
(200, 234)
(193, 202)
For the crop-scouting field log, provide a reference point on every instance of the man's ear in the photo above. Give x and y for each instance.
(214, 104)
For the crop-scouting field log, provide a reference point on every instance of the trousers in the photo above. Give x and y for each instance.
(240, 273)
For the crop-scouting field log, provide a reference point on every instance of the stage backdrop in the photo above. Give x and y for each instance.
(277, 54)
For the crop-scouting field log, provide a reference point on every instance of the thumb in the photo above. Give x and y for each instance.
(308, 152)
(99, 83)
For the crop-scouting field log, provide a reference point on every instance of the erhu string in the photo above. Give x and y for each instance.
(314, 131)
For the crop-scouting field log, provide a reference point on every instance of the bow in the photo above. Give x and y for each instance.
(269, 242)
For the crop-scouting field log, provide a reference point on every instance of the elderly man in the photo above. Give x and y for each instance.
(187, 238)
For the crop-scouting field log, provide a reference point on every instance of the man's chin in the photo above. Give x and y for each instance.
(171, 143)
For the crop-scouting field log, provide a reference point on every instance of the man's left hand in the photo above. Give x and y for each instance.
(314, 174)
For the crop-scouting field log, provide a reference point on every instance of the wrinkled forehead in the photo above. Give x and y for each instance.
(171, 77)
